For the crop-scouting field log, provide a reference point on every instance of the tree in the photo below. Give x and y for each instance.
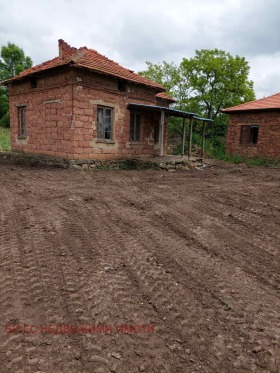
(177, 84)
(164, 73)
(12, 62)
(4, 108)
(218, 80)
(172, 78)
(206, 83)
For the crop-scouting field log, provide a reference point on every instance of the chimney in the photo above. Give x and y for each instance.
(64, 48)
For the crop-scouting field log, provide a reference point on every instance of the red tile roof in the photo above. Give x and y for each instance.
(271, 102)
(89, 59)
(165, 96)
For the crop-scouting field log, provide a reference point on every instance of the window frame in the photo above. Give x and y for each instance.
(22, 125)
(249, 138)
(103, 137)
(135, 114)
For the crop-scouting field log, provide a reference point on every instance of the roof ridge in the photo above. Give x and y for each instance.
(91, 59)
(107, 58)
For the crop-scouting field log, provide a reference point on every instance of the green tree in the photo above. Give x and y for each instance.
(164, 73)
(12, 62)
(4, 108)
(177, 84)
(218, 80)
(173, 78)
(204, 84)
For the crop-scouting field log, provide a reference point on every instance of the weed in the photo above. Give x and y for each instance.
(5, 141)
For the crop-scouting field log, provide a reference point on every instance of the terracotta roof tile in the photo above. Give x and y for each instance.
(89, 59)
(165, 96)
(271, 102)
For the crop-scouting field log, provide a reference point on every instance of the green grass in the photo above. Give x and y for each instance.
(216, 149)
(5, 140)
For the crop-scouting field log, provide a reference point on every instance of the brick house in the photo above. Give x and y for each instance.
(81, 105)
(254, 128)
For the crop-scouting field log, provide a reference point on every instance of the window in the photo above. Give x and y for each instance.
(104, 123)
(249, 134)
(134, 127)
(33, 82)
(121, 85)
(22, 121)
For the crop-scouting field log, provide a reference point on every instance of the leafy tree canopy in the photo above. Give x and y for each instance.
(206, 83)
(12, 62)
(219, 80)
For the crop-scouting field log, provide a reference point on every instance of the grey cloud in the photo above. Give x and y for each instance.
(132, 32)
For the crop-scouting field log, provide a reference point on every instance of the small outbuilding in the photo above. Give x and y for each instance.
(254, 128)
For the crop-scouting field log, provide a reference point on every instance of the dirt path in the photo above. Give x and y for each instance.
(192, 254)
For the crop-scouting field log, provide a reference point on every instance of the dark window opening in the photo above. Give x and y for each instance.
(104, 123)
(156, 132)
(33, 82)
(249, 134)
(121, 85)
(22, 122)
(135, 130)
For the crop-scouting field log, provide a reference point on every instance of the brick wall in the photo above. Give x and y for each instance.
(61, 116)
(268, 144)
(48, 115)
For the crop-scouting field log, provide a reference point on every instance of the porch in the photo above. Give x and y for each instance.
(169, 112)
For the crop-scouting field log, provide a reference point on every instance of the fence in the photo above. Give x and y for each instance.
(5, 141)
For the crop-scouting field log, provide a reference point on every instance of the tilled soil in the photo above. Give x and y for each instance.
(139, 271)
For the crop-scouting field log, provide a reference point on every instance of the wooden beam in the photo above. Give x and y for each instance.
(203, 140)
(190, 138)
(161, 135)
(184, 137)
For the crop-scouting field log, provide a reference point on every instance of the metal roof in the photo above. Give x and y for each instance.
(170, 111)
(203, 119)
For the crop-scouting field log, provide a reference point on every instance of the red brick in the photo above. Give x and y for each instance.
(49, 124)
(268, 144)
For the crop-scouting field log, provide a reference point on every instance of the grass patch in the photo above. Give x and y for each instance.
(217, 150)
(5, 140)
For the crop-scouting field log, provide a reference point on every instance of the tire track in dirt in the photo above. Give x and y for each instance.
(150, 275)
(254, 245)
(121, 256)
(140, 233)
(81, 260)
(39, 266)
(225, 298)
(117, 285)
(195, 230)
(13, 345)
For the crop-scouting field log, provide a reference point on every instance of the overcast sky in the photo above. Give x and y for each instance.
(132, 32)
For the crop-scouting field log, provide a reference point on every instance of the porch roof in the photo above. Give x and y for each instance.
(171, 112)
(203, 119)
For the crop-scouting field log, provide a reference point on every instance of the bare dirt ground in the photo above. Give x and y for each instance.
(193, 253)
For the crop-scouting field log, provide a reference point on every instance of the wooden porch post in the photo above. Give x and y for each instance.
(190, 138)
(203, 140)
(161, 133)
(184, 137)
